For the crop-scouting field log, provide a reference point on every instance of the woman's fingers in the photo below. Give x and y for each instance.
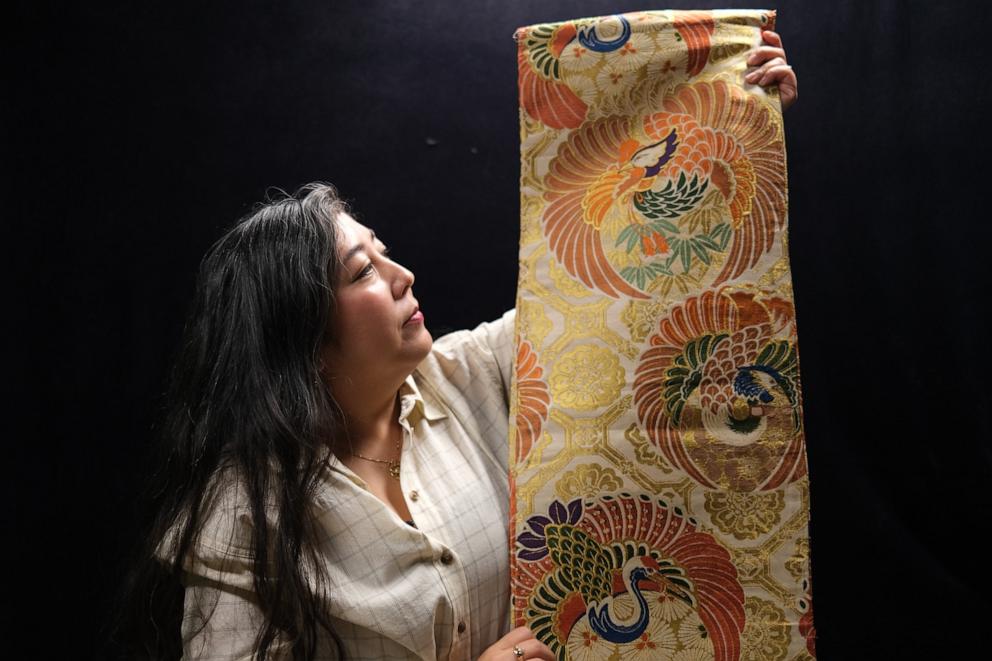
(771, 38)
(533, 649)
(759, 73)
(523, 639)
(776, 75)
(762, 54)
(773, 68)
(518, 635)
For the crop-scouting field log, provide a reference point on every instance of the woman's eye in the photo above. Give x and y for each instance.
(365, 271)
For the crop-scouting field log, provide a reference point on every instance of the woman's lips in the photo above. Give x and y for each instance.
(416, 318)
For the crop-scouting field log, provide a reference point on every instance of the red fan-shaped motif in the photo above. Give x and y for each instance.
(533, 400)
(696, 28)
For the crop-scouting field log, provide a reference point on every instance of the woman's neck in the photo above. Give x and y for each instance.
(371, 423)
(372, 447)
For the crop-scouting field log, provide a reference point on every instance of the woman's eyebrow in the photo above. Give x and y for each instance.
(351, 252)
(357, 248)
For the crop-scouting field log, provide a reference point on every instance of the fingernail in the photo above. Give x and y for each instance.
(751, 77)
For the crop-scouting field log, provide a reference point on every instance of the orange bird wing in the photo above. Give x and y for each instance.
(696, 28)
(748, 137)
(542, 94)
(575, 186)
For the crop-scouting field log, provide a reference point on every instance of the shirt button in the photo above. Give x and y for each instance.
(447, 558)
(461, 627)
(414, 496)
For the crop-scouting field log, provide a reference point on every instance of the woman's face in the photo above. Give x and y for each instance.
(377, 332)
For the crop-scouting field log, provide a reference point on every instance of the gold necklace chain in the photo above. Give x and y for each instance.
(393, 464)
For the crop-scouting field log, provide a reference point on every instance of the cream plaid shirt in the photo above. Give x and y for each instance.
(439, 590)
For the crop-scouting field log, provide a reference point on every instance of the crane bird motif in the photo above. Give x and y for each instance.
(717, 390)
(544, 96)
(579, 566)
(633, 200)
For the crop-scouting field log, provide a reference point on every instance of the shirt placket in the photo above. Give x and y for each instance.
(450, 570)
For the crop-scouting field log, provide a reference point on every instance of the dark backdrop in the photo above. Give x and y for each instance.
(136, 131)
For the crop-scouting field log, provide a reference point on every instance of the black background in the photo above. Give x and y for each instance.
(135, 132)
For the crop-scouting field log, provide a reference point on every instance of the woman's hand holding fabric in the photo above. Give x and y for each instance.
(771, 68)
(518, 644)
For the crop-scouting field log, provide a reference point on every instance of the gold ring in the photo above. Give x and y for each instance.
(517, 652)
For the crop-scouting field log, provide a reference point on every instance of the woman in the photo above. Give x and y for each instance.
(334, 483)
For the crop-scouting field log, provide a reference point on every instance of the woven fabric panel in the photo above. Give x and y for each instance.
(660, 500)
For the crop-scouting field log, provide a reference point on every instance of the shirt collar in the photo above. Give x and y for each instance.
(411, 400)
(336, 465)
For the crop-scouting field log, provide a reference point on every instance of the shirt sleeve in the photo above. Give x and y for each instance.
(221, 616)
(484, 353)
(468, 374)
(221, 622)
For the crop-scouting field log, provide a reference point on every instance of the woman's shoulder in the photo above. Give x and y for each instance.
(222, 541)
(227, 520)
(480, 346)
(468, 372)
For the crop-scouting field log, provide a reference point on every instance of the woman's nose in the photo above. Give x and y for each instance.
(403, 280)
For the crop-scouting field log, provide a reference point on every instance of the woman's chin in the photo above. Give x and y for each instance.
(426, 343)
(417, 345)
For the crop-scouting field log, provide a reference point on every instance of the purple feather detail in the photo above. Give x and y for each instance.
(537, 523)
(532, 555)
(558, 512)
(671, 142)
(530, 540)
(575, 511)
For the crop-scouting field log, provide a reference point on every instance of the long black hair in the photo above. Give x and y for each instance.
(247, 399)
